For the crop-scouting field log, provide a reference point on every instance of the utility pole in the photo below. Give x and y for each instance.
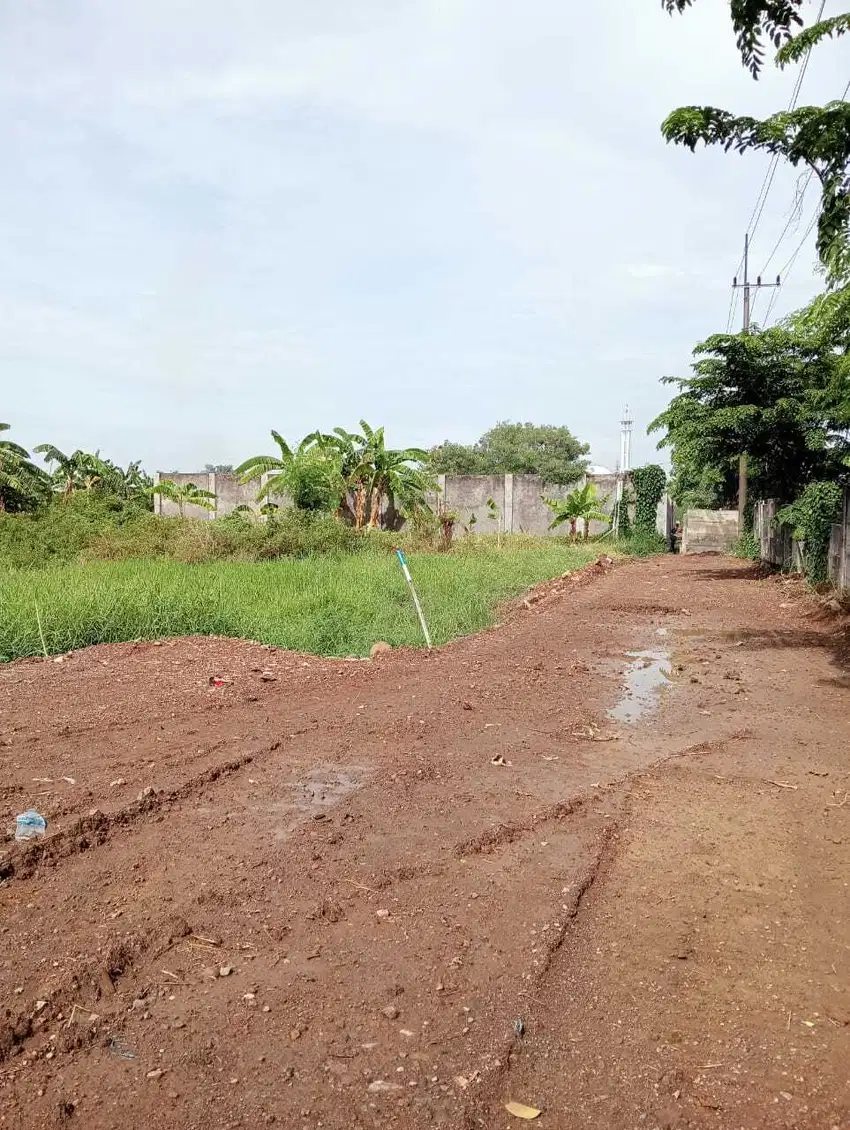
(747, 286)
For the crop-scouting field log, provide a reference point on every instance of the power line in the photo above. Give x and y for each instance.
(796, 214)
(792, 260)
(733, 305)
(794, 217)
(770, 174)
(761, 199)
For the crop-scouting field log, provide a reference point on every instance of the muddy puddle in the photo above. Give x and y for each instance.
(647, 674)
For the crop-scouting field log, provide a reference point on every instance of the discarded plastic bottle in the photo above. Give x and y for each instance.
(30, 825)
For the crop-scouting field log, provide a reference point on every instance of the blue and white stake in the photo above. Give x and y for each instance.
(403, 562)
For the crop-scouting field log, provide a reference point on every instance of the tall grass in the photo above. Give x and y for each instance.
(329, 604)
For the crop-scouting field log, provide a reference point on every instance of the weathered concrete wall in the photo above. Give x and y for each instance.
(709, 531)
(777, 547)
(201, 479)
(467, 495)
(230, 493)
(518, 498)
(841, 576)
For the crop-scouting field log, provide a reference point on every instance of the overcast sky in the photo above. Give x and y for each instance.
(221, 216)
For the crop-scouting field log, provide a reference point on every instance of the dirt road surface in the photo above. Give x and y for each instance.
(405, 892)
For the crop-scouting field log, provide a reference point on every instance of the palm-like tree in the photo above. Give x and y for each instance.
(580, 505)
(185, 494)
(22, 484)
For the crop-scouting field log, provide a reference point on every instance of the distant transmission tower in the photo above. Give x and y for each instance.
(624, 465)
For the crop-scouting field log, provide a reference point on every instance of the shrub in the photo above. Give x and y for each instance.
(60, 531)
(83, 528)
(747, 547)
(642, 544)
(298, 533)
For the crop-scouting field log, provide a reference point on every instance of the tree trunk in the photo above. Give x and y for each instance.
(359, 506)
(573, 529)
(375, 510)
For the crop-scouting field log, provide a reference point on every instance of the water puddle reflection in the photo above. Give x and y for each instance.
(646, 676)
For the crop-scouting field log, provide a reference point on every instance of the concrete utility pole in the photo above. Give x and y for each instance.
(747, 286)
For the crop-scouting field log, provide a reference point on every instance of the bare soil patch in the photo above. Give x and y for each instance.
(284, 890)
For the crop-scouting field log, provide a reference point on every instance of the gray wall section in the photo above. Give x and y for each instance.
(521, 508)
(467, 495)
(709, 531)
(201, 479)
(230, 493)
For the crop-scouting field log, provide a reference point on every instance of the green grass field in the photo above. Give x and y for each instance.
(326, 604)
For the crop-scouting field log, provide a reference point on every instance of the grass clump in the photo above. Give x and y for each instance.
(335, 603)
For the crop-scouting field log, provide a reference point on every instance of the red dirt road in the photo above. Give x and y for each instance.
(313, 900)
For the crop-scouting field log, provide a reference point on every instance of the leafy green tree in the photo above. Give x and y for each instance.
(815, 136)
(458, 459)
(777, 396)
(23, 485)
(132, 481)
(82, 470)
(695, 486)
(185, 494)
(580, 505)
(752, 21)
(546, 450)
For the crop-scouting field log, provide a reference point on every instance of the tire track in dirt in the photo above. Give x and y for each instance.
(380, 955)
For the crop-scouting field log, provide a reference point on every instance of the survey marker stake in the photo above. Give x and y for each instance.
(403, 562)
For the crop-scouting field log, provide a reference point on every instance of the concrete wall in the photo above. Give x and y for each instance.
(521, 508)
(709, 531)
(519, 501)
(777, 547)
(229, 494)
(202, 479)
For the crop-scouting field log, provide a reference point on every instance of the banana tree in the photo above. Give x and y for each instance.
(309, 474)
(23, 485)
(580, 505)
(82, 470)
(388, 474)
(185, 494)
(350, 449)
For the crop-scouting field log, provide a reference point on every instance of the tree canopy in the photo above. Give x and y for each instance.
(815, 136)
(547, 450)
(752, 21)
(779, 396)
